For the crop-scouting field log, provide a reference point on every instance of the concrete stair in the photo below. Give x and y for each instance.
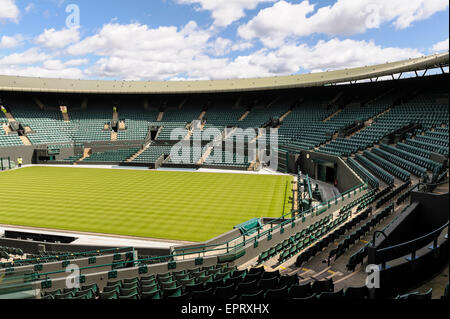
(332, 115)
(253, 164)
(10, 117)
(188, 135)
(244, 116)
(337, 97)
(260, 133)
(25, 140)
(66, 117)
(335, 136)
(361, 129)
(210, 148)
(86, 153)
(285, 115)
(39, 103)
(382, 113)
(205, 155)
(132, 158)
(6, 129)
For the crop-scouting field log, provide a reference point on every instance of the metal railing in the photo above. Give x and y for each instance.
(384, 255)
(60, 257)
(281, 222)
(200, 251)
(231, 245)
(6, 164)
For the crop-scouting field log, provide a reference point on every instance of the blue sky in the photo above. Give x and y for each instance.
(213, 39)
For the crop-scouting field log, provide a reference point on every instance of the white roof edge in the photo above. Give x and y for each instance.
(48, 85)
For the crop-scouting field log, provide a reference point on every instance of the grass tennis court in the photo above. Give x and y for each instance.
(170, 205)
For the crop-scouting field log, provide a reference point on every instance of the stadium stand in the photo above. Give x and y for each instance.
(73, 159)
(7, 139)
(303, 127)
(364, 173)
(409, 156)
(220, 115)
(48, 126)
(343, 125)
(152, 154)
(225, 158)
(111, 156)
(387, 165)
(382, 174)
(137, 121)
(89, 124)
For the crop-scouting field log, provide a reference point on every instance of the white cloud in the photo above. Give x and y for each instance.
(37, 71)
(9, 10)
(7, 42)
(292, 59)
(346, 17)
(221, 46)
(135, 39)
(29, 7)
(59, 65)
(440, 46)
(76, 62)
(345, 54)
(225, 12)
(35, 63)
(31, 56)
(53, 65)
(53, 39)
(289, 59)
(137, 51)
(241, 46)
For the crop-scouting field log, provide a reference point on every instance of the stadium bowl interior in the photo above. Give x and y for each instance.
(271, 188)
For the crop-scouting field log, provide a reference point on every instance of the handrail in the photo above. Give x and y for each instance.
(309, 186)
(401, 245)
(432, 185)
(284, 221)
(203, 251)
(284, 202)
(70, 254)
(112, 264)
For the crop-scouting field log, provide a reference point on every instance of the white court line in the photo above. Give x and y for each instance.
(165, 169)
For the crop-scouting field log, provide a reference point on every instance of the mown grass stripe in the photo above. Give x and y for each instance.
(171, 205)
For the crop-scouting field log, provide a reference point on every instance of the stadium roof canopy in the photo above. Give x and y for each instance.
(29, 84)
